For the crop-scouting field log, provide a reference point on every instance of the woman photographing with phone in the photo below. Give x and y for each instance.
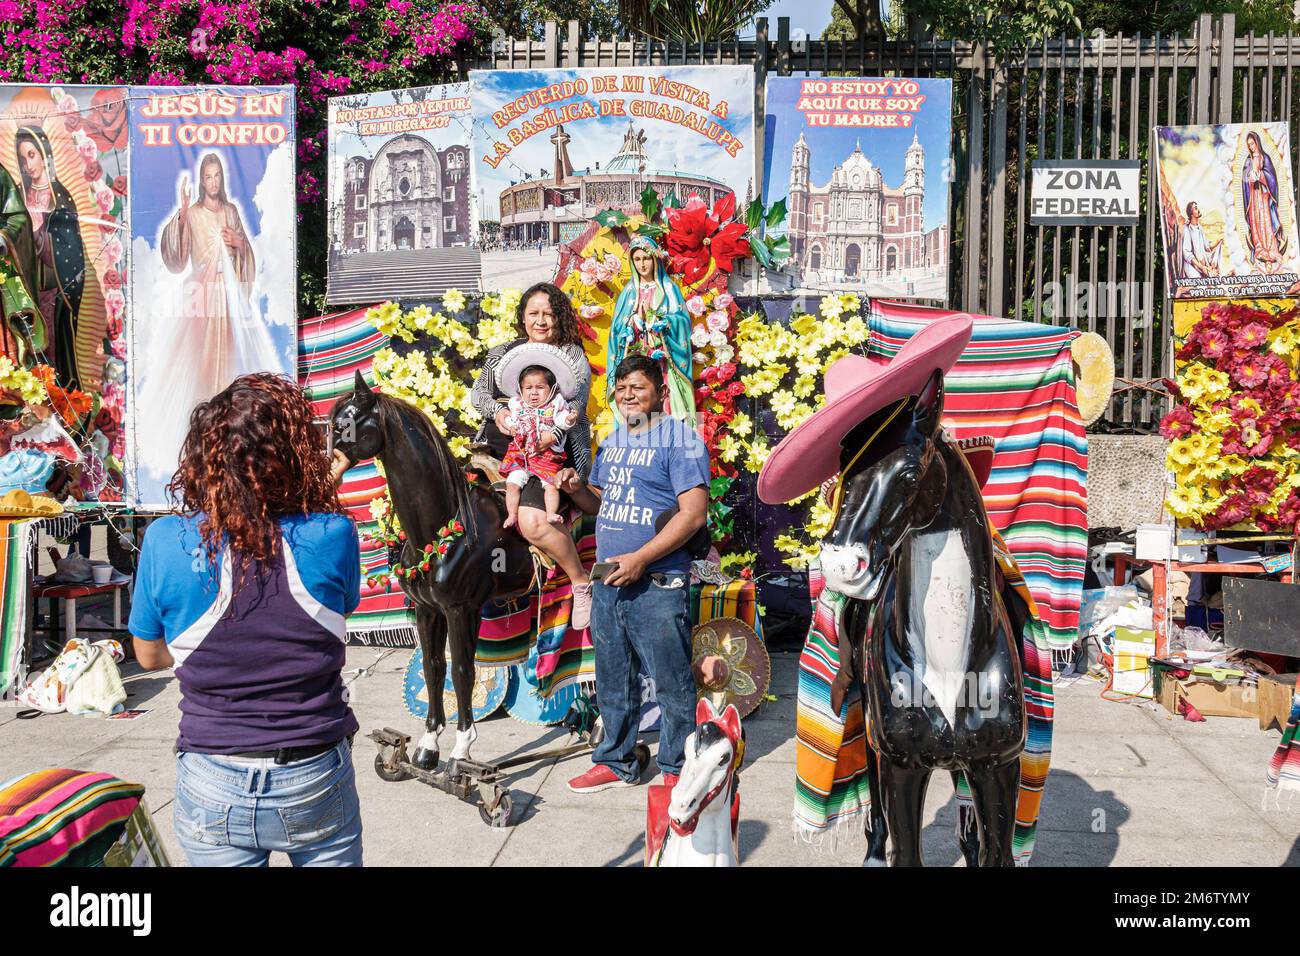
(245, 594)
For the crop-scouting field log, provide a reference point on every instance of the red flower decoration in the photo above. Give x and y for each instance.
(695, 237)
(1177, 424)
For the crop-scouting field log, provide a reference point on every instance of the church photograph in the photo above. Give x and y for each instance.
(863, 168)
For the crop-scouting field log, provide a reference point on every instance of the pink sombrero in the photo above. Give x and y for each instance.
(856, 388)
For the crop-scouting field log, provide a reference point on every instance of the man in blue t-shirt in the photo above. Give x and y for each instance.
(649, 489)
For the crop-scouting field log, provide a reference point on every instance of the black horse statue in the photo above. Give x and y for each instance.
(487, 562)
(934, 646)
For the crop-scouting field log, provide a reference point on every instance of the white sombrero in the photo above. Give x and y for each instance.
(549, 357)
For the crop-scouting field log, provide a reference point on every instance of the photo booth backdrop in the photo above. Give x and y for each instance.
(863, 165)
(213, 297)
(553, 148)
(63, 159)
(402, 209)
(1247, 208)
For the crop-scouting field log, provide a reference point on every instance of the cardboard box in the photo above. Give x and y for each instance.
(139, 844)
(1131, 674)
(1209, 697)
(1273, 699)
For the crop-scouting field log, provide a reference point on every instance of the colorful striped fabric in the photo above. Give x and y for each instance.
(738, 599)
(1284, 767)
(63, 817)
(830, 781)
(565, 656)
(15, 536)
(331, 350)
(830, 748)
(1015, 383)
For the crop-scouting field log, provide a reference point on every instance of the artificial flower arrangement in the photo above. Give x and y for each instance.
(437, 377)
(782, 366)
(1234, 432)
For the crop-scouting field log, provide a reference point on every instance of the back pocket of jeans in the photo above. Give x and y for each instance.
(201, 821)
(312, 822)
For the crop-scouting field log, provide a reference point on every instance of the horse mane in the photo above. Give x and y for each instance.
(396, 413)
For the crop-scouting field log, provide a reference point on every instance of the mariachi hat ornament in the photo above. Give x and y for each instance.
(21, 504)
(1094, 375)
(537, 353)
(730, 664)
(857, 388)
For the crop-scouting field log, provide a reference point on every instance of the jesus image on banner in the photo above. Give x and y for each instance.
(217, 334)
(1259, 192)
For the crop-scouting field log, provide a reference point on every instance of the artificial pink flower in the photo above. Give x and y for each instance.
(695, 306)
(1177, 424)
(1251, 336)
(718, 321)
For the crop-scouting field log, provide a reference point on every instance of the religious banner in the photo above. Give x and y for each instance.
(63, 196)
(1227, 209)
(554, 148)
(863, 166)
(213, 261)
(401, 209)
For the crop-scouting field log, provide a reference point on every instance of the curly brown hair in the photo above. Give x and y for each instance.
(566, 320)
(253, 455)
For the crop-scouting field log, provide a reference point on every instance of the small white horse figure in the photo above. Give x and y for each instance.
(695, 823)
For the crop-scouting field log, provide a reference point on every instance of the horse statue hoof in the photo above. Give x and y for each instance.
(425, 759)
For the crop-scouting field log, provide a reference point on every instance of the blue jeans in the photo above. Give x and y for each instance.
(234, 811)
(649, 621)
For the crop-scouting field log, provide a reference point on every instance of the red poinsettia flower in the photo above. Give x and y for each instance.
(695, 236)
(1177, 424)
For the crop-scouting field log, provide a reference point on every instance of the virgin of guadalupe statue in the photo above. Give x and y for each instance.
(650, 317)
(22, 329)
(60, 256)
(215, 334)
(1259, 190)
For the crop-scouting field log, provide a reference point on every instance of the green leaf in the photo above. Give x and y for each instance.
(720, 486)
(754, 214)
(673, 202)
(650, 203)
(779, 250)
(759, 248)
(652, 229)
(776, 215)
(611, 218)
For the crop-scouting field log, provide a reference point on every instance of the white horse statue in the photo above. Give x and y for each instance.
(695, 823)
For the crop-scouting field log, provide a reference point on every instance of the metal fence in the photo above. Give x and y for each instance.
(1084, 97)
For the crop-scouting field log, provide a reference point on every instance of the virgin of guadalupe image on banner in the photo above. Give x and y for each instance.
(63, 195)
(863, 166)
(213, 256)
(1227, 209)
(650, 318)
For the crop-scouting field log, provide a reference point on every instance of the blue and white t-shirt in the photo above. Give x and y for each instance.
(263, 669)
(640, 475)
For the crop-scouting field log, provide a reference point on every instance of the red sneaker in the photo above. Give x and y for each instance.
(670, 780)
(596, 779)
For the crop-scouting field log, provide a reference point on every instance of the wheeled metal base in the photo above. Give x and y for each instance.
(464, 778)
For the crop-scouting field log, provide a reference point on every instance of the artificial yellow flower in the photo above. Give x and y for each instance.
(454, 300)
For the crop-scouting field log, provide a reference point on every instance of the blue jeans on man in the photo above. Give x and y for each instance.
(648, 621)
(232, 811)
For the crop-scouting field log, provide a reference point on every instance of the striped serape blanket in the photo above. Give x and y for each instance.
(830, 782)
(331, 350)
(1015, 383)
(1284, 767)
(737, 598)
(831, 748)
(15, 592)
(63, 817)
(565, 656)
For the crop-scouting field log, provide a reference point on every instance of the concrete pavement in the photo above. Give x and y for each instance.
(1129, 786)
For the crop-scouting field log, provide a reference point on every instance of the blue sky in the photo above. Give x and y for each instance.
(810, 16)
